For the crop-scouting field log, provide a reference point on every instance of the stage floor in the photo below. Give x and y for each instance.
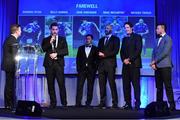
(83, 113)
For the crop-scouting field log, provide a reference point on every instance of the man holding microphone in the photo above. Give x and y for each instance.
(55, 48)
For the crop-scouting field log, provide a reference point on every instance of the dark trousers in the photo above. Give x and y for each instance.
(131, 74)
(9, 90)
(82, 76)
(107, 73)
(56, 72)
(163, 76)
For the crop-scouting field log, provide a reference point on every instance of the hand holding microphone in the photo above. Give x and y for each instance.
(53, 38)
(52, 41)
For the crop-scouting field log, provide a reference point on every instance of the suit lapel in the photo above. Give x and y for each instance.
(109, 40)
(103, 42)
(84, 51)
(162, 40)
(59, 41)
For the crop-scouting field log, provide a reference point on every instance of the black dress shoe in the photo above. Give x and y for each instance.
(52, 106)
(101, 105)
(172, 108)
(88, 105)
(78, 105)
(8, 107)
(64, 106)
(114, 106)
(137, 107)
(127, 107)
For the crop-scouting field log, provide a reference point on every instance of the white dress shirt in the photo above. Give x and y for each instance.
(87, 50)
(53, 47)
(107, 38)
(160, 39)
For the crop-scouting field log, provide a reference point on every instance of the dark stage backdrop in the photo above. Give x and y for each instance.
(167, 11)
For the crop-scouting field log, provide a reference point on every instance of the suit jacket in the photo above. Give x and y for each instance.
(162, 53)
(10, 49)
(110, 50)
(131, 48)
(61, 50)
(82, 61)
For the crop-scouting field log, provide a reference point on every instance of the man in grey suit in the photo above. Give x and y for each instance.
(162, 64)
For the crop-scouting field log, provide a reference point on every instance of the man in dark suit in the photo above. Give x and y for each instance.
(108, 47)
(10, 49)
(55, 48)
(131, 57)
(162, 64)
(86, 62)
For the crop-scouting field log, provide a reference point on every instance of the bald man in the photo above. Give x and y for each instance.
(108, 47)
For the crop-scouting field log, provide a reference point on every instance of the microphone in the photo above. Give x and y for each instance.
(53, 42)
(53, 38)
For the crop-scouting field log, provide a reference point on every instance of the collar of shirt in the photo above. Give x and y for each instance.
(163, 34)
(14, 36)
(108, 36)
(90, 45)
(87, 50)
(56, 40)
(161, 38)
(129, 35)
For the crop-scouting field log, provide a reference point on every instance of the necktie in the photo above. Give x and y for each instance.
(106, 40)
(54, 43)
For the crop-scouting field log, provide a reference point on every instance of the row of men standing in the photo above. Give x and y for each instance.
(90, 59)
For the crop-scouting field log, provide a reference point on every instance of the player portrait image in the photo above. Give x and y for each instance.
(65, 28)
(82, 27)
(117, 24)
(64, 25)
(144, 26)
(32, 29)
